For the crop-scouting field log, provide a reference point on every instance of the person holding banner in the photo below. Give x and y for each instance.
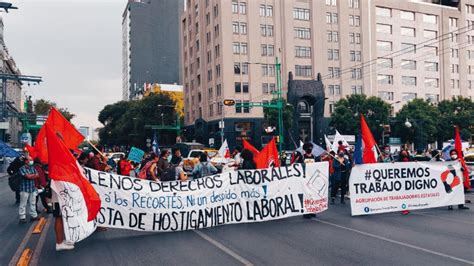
(339, 178)
(203, 168)
(454, 156)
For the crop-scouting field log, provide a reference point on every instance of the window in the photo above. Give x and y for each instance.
(354, 20)
(356, 73)
(354, 3)
(332, 18)
(406, 31)
(430, 34)
(409, 80)
(241, 68)
(331, 2)
(470, 9)
(470, 54)
(268, 70)
(384, 46)
(211, 110)
(238, 106)
(384, 28)
(408, 48)
(265, 88)
(334, 89)
(301, 13)
(303, 71)
(355, 56)
(235, 7)
(432, 98)
(268, 50)
(357, 90)
(238, 87)
(216, 11)
(217, 50)
(408, 96)
(408, 64)
(357, 38)
(453, 37)
(453, 22)
(216, 31)
(209, 57)
(236, 48)
(407, 15)
(431, 83)
(245, 87)
(266, 30)
(243, 8)
(302, 33)
(303, 52)
(333, 54)
(383, 12)
(384, 79)
(430, 50)
(246, 106)
(266, 11)
(454, 53)
(351, 37)
(430, 19)
(218, 90)
(386, 95)
(454, 68)
(333, 36)
(384, 62)
(235, 27)
(218, 70)
(208, 19)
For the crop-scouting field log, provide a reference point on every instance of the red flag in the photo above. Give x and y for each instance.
(250, 147)
(369, 146)
(64, 167)
(268, 156)
(31, 151)
(458, 148)
(66, 131)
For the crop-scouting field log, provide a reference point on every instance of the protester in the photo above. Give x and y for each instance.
(13, 170)
(28, 191)
(248, 162)
(97, 162)
(436, 156)
(454, 156)
(403, 156)
(149, 170)
(420, 156)
(163, 163)
(308, 156)
(387, 156)
(176, 158)
(42, 184)
(124, 167)
(203, 168)
(341, 166)
(61, 243)
(83, 159)
(237, 156)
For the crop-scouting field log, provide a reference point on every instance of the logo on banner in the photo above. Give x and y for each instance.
(366, 209)
(404, 206)
(455, 179)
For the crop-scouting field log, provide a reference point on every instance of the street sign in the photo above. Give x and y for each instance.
(394, 141)
(221, 124)
(228, 102)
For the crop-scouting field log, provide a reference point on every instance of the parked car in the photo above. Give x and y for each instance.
(469, 158)
(115, 156)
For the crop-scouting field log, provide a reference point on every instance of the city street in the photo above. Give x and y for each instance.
(425, 237)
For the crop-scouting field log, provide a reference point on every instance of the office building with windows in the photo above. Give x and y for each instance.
(397, 50)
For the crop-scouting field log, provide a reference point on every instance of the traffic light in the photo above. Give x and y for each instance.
(228, 102)
(8, 137)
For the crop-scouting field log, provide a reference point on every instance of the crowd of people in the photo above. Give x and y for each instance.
(30, 181)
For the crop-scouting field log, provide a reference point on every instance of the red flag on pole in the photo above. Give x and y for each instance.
(369, 146)
(60, 125)
(31, 151)
(268, 156)
(250, 147)
(64, 167)
(458, 148)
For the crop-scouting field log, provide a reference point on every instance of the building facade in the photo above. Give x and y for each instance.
(10, 125)
(397, 50)
(150, 45)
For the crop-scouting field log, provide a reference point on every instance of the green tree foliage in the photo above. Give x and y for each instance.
(42, 107)
(458, 111)
(271, 115)
(423, 116)
(124, 122)
(346, 115)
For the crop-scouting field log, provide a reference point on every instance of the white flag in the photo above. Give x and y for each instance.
(328, 143)
(338, 137)
(224, 151)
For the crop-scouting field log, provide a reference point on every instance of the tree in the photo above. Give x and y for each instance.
(42, 107)
(423, 117)
(271, 114)
(455, 112)
(124, 122)
(346, 115)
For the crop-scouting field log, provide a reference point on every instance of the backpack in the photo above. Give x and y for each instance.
(143, 174)
(14, 182)
(169, 174)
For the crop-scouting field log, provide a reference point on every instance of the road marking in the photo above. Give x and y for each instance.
(21, 247)
(40, 244)
(224, 248)
(396, 242)
(39, 226)
(444, 218)
(25, 258)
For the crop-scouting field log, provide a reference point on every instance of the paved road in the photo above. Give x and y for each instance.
(426, 237)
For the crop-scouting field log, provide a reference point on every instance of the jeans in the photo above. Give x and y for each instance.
(30, 199)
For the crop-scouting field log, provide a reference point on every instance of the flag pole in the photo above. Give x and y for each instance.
(95, 148)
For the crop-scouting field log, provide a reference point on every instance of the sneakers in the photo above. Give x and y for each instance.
(332, 201)
(463, 207)
(23, 221)
(64, 246)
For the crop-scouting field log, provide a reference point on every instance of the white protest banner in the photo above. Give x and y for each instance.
(232, 197)
(73, 211)
(392, 187)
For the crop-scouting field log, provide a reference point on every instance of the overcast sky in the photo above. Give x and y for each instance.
(75, 45)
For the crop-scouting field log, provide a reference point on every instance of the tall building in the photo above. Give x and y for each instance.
(150, 45)
(10, 126)
(397, 50)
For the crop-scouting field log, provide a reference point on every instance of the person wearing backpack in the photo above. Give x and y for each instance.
(14, 179)
(203, 168)
(149, 170)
